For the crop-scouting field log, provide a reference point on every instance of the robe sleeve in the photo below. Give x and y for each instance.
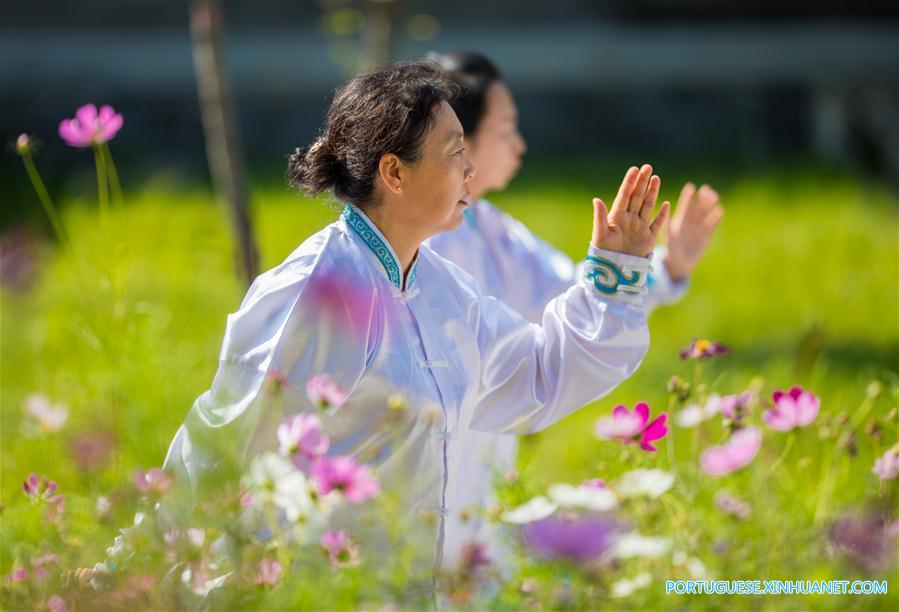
(589, 341)
(551, 272)
(301, 319)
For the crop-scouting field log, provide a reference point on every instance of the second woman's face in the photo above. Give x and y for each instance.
(496, 147)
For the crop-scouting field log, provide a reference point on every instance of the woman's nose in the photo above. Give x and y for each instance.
(469, 171)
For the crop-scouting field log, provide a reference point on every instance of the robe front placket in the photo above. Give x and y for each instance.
(425, 349)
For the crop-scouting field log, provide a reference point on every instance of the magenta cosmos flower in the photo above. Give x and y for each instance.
(341, 550)
(90, 127)
(324, 392)
(37, 488)
(355, 480)
(301, 439)
(704, 349)
(633, 426)
(736, 453)
(797, 408)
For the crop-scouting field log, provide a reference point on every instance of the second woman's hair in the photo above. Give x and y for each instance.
(387, 110)
(474, 73)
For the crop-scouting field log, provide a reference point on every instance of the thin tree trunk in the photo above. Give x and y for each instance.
(219, 125)
(378, 33)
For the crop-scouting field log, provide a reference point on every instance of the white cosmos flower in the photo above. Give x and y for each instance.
(48, 418)
(533, 510)
(626, 586)
(273, 480)
(636, 545)
(587, 498)
(645, 482)
(694, 414)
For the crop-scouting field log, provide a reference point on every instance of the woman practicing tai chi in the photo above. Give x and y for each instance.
(366, 303)
(517, 267)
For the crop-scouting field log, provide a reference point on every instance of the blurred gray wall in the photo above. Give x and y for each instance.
(744, 80)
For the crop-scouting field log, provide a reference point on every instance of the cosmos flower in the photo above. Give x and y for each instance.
(341, 550)
(704, 349)
(734, 454)
(796, 408)
(629, 427)
(301, 439)
(90, 127)
(355, 480)
(324, 392)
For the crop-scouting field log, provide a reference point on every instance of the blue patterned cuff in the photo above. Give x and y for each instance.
(617, 276)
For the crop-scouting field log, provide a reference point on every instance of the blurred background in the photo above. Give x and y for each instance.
(789, 109)
(740, 82)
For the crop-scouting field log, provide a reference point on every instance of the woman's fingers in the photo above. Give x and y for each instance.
(713, 218)
(636, 199)
(624, 192)
(600, 221)
(686, 194)
(649, 200)
(659, 221)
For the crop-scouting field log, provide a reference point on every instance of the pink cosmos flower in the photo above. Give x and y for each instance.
(704, 349)
(324, 392)
(301, 439)
(57, 604)
(594, 483)
(39, 564)
(356, 481)
(633, 426)
(90, 127)
(731, 405)
(341, 550)
(797, 408)
(732, 505)
(268, 572)
(887, 466)
(736, 453)
(153, 481)
(91, 450)
(18, 574)
(36, 488)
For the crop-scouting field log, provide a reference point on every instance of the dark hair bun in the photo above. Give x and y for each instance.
(387, 110)
(314, 169)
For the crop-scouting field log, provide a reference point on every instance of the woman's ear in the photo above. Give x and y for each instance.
(389, 168)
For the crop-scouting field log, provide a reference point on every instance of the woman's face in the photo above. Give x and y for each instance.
(496, 146)
(436, 186)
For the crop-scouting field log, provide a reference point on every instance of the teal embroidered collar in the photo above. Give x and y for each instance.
(377, 242)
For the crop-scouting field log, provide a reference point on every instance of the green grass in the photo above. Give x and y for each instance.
(801, 280)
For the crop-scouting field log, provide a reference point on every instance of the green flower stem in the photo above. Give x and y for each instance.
(114, 183)
(102, 196)
(41, 190)
(672, 457)
(783, 454)
(49, 207)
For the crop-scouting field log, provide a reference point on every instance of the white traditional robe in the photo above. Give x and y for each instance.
(525, 272)
(462, 360)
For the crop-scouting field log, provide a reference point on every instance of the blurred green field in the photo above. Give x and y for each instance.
(801, 281)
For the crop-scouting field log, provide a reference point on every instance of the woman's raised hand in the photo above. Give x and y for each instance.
(690, 229)
(627, 227)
